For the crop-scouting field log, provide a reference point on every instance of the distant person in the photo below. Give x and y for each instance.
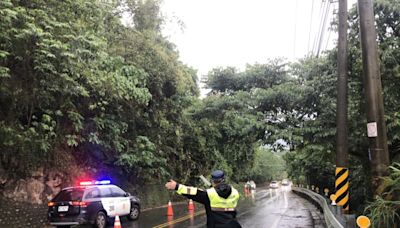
(252, 188)
(247, 188)
(219, 201)
(252, 185)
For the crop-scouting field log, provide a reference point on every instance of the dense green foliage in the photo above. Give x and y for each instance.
(385, 210)
(267, 166)
(78, 86)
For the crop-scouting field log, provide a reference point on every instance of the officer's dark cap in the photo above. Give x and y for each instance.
(217, 175)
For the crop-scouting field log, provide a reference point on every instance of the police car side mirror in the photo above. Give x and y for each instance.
(127, 194)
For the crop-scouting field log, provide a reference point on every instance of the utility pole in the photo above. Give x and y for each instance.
(378, 149)
(342, 160)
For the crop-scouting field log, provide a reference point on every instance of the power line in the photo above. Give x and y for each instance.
(309, 32)
(321, 15)
(327, 41)
(330, 30)
(323, 27)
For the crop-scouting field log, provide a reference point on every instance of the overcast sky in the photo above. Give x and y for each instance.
(236, 32)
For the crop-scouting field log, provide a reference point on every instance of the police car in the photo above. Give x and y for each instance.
(92, 202)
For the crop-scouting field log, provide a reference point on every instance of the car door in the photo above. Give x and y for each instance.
(122, 201)
(108, 201)
(92, 197)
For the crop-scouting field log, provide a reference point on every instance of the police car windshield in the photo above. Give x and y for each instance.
(69, 195)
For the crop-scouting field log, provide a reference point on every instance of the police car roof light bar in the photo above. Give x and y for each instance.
(102, 182)
(84, 183)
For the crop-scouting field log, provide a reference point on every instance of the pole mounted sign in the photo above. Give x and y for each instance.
(372, 130)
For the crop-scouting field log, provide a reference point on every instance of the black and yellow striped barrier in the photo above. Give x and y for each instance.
(342, 187)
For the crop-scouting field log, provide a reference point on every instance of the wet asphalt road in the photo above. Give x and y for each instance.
(282, 209)
(265, 209)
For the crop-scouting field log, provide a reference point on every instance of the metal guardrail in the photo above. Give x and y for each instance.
(332, 220)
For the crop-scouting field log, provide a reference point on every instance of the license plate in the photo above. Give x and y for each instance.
(62, 208)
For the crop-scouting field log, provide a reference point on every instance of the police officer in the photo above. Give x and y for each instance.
(219, 201)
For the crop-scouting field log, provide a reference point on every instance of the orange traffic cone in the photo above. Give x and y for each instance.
(117, 222)
(191, 205)
(170, 211)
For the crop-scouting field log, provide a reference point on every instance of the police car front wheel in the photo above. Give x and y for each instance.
(134, 213)
(101, 220)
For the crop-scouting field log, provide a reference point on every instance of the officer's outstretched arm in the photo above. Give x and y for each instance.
(193, 193)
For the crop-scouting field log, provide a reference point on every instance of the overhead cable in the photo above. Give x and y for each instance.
(317, 35)
(309, 32)
(323, 28)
